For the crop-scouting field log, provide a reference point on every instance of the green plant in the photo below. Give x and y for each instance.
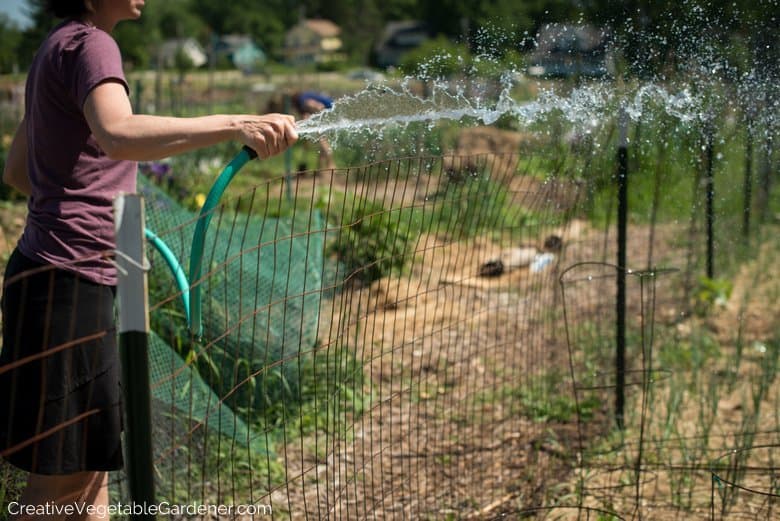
(374, 242)
(711, 293)
(12, 481)
(437, 58)
(6, 192)
(471, 203)
(544, 398)
(543, 407)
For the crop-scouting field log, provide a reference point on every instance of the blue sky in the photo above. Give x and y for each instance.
(15, 10)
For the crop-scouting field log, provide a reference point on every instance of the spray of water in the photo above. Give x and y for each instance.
(703, 78)
(380, 107)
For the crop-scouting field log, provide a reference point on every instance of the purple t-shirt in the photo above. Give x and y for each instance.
(70, 221)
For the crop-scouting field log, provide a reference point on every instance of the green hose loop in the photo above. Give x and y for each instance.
(199, 237)
(175, 267)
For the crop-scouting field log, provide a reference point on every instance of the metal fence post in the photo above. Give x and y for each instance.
(710, 187)
(747, 200)
(133, 345)
(622, 228)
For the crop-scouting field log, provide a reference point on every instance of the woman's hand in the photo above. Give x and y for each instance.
(269, 134)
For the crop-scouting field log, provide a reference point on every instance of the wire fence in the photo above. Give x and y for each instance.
(434, 338)
(385, 366)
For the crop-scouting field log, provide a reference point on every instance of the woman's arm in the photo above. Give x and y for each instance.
(15, 171)
(124, 135)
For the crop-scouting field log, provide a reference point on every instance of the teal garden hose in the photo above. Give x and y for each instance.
(190, 296)
(199, 237)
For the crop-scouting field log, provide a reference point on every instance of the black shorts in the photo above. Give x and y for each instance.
(60, 396)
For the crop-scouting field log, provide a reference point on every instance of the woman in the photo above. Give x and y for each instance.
(74, 151)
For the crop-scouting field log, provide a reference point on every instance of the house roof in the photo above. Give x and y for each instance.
(404, 33)
(236, 40)
(391, 28)
(322, 27)
(232, 43)
(398, 38)
(188, 46)
(570, 38)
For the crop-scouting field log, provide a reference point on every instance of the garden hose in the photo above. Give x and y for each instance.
(199, 237)
(175, 267)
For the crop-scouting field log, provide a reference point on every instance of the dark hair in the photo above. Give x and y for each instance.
(66, 8)
(297, 101)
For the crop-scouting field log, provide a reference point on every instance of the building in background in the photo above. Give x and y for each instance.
(565, 50)
(241, 51)
(313, 41)
(397, 39)
(173, 50)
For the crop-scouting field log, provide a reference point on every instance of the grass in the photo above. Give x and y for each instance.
(12, 481)
(543, 398)
(687, 427)
(549, 401)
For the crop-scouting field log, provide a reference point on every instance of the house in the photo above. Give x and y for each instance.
(565, 50)
(313, 41)
(172, 50)
(241, 51)
(397, 39)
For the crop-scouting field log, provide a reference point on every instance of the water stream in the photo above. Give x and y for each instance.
(382, 106)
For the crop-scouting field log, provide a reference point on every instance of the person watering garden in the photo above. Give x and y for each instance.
(75, 149)
(307, 103)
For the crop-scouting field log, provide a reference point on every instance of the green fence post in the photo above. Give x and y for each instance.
(622, 248)
(710, 187)
(747, 199)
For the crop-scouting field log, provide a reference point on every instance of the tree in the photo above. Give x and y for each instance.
(654, 35)
(361, 28)
(136, 41)
(42, 23)
(10, 37)
(263, 22)
(439, 58)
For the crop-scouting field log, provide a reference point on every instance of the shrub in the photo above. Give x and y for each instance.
(374, 242)
(438, 58)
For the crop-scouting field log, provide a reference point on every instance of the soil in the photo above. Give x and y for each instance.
(450, 358)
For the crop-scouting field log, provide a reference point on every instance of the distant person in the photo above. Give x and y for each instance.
(74, 151)
(308, 103)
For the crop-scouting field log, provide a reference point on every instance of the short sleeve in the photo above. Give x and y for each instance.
(95, 59)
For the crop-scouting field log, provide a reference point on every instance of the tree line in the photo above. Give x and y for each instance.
(652, 34)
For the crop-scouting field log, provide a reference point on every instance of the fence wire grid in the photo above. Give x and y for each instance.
(434, 338)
